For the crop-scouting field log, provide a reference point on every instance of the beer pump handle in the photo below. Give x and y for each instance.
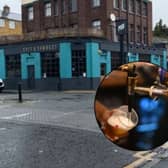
(131, 85)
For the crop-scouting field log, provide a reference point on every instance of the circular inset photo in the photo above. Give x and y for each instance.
(131, 106)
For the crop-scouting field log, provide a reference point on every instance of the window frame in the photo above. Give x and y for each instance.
(73, 5)
(138, 34)
(124, 5)
(96, 3)
(144, 9)
(131, 6)
(30, 13)
(2, 22)
(95, 25)
(47, 9)
(116, 4)
(56, 8)
(12, 24)
(138, 7)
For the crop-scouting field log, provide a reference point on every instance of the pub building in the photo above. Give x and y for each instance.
(64, 47)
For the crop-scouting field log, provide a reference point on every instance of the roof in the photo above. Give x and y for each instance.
(12, 16)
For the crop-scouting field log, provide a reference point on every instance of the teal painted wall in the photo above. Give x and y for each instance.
(155, 59)
(108, 62)
(31, 59)
(165, 59)
(133, 57)
(92, 60)
(2, 64)
(65, 60)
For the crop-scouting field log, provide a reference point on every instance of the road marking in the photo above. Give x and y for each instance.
(146, 158)
(15, 116)
(142, 157)
(3, 129)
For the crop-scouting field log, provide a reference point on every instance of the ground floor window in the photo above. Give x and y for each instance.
(78, 63)
(50, 64)
(13, 66)
(115, 60)
(144, 57)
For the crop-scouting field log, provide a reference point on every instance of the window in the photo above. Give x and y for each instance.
(124, 4)
(138, 34)
(56, 12)
(73, 5)
(47, 9)
(138, 7)
(95, 3)
(78, 63)
(96, 24)
(2, 23)
(116, 3)
(13, 66)
(63, 7)
(131, 34)
(12, 24)
(145, 38)
(30, 13)
(131, 6)
(50, 64)
(144, 8)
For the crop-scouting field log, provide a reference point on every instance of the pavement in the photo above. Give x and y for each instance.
(58, 129)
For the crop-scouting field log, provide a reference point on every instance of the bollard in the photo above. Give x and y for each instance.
(20, 92)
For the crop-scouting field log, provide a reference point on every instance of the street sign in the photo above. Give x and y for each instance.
(121, 26)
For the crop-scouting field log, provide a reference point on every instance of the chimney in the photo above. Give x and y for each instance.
(6, 11)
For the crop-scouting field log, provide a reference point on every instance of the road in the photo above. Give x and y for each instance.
(58, 130)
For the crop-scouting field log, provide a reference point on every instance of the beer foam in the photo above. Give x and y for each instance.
(119, 121)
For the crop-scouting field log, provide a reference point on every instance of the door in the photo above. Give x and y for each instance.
(31, 77)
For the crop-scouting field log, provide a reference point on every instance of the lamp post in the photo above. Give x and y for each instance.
(121, 30)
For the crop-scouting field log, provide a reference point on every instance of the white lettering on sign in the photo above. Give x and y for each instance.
(121, 27)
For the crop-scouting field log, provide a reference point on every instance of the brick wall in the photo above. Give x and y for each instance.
(84, 17)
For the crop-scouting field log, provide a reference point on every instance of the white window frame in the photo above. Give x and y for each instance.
(74, 5)
(124, 2)
(131, 4)
(95, 3)
(30, 13)
(116, 4)
(2, 23)
(47, 9)
(12, 24)
(96, 24)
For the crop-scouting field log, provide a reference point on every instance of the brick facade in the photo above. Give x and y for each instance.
(84, 16)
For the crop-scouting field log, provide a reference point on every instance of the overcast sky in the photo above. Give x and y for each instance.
(159, 8)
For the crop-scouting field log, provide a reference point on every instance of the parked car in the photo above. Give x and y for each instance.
(2, 85)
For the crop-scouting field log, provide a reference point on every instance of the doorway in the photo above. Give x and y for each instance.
(31, 77)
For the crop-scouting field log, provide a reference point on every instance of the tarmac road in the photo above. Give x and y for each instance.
(59, 130)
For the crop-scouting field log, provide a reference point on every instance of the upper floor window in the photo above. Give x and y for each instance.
(144, 8)
(138, 33)
(96, 24)
(30, 13)
(138, 7)
(131, 6)
(12, 24)
(116, 3)
(63, 7)
(56, 12)
(124, 4)
(73, 5)
(131, 33)
(2, 23)
(145, 37)
(47, 9)
(95, 3)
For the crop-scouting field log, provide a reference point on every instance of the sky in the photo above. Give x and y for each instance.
(159, 9)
